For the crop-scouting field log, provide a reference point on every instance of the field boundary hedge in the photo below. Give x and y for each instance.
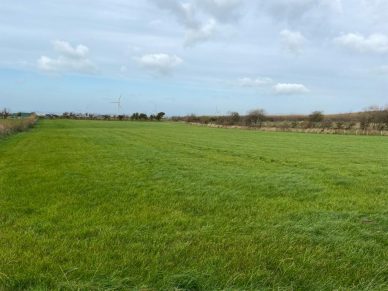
(298, 130)
(11, 126)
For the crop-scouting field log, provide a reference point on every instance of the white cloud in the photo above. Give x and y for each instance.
(200, 18)
(258, 82)
(184, 12)
(292, 41)
(334, 5)
(222, 10)
(204, 33)
(291, 11)
(188, 13)
(279, 88)
(286, 9)
(375, 43)
(377, 8)
(66, 50)
(70, 59)
(159, 63)
(290, 89)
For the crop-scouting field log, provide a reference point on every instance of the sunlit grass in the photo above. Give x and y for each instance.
(88, 205)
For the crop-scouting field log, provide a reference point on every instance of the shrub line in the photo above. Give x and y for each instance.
(11, 126)
(297, 130)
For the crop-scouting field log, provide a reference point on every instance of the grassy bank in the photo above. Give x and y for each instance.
(91, 204)
(10, 126)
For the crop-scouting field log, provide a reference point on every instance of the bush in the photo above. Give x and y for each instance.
(143, 116)
(339, 125)
(234, 118)
(192, 118)
(365, 120)
(316, 116)
(160, 116)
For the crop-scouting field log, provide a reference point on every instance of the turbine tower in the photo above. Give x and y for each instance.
(118, 102)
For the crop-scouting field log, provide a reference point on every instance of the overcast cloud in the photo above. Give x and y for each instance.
(194, 56)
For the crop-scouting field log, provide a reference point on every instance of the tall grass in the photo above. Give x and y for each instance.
(10, 126)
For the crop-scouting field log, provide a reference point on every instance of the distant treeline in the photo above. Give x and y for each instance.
(371, 121)
(90, 116)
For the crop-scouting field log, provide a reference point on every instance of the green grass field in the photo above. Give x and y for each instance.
(118, 205)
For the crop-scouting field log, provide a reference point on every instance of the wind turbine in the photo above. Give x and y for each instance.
(118, 102)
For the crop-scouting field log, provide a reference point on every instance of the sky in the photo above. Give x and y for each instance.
(193, 56)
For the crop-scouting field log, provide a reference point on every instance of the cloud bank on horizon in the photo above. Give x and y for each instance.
(192, 56)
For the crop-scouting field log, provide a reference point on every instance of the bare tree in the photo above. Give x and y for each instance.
(255, 117)
(5, 113)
